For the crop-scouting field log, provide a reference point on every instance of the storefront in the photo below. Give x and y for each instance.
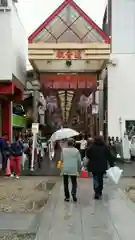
(19, 124)
(0, 120)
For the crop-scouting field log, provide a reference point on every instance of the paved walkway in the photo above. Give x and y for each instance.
(112, 218)
(49, 168)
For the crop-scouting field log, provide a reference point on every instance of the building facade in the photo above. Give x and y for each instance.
(13, 58)
(119, 23)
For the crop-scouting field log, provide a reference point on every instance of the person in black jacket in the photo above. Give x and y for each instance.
(99, 156)
(5, 150)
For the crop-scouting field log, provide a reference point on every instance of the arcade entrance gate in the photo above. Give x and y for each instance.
(68, 52)
(69, 73)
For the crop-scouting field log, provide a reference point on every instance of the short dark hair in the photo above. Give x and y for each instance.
(70, 142)
(99, 139)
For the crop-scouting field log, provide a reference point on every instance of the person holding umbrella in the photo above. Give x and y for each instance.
(71, 167)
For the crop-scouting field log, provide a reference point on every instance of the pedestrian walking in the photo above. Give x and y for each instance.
(28, 152)
(71, 167)
(16, 150)
(99, 156)
(83, 145)
(5, 151)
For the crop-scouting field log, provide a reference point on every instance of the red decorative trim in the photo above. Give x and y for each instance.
(48, 20)
(79, 10)
(6, 88)
(10, 89)
(90, 21)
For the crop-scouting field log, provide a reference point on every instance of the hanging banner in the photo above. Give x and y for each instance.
(67, 81)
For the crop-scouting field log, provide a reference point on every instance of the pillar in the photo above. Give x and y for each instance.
(7, 118)
(101, 106)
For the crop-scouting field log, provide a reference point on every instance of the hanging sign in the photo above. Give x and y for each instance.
(35, 128)
(83, 81)
(67, 54)
(94, 109)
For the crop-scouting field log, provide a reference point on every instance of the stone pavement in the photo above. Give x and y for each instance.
(21, 222)
(112, 218)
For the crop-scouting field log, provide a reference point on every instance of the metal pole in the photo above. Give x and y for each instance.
(101, 107)
(35, 107)
(35, 120)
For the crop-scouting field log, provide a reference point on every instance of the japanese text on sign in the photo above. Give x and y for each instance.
(68, 54)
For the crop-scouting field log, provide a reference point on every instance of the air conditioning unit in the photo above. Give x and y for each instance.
(4, 5)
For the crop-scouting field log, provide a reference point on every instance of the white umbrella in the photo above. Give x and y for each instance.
(64, 133)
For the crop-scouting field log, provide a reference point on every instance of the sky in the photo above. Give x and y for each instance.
(34, 12)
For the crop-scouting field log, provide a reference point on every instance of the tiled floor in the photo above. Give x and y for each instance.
(112, 218)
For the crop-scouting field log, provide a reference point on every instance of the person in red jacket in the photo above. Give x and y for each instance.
(16, 150)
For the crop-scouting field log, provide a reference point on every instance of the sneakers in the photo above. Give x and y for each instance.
(12, 175)
(67, 199)
(74, 198)
(97, 197)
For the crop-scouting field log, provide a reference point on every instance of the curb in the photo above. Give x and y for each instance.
(129, 188)
(34, 224)
(47, 209)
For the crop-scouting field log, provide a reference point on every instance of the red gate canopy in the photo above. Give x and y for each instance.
(68, 23)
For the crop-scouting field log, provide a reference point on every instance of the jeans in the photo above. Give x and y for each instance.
(74, 185)
(98, 183)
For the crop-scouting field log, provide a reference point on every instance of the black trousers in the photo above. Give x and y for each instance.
(98, 183)
(39, 160)
(4, 162)
(29, 160)
(82, 152)
(66, 187)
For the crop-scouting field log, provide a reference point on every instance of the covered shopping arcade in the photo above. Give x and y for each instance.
(68, 52)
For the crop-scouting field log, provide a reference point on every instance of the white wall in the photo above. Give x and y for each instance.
(123, 26)
(5, 46)
(121, 92)
(121, 79)
(19, 47)
(13, 46)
